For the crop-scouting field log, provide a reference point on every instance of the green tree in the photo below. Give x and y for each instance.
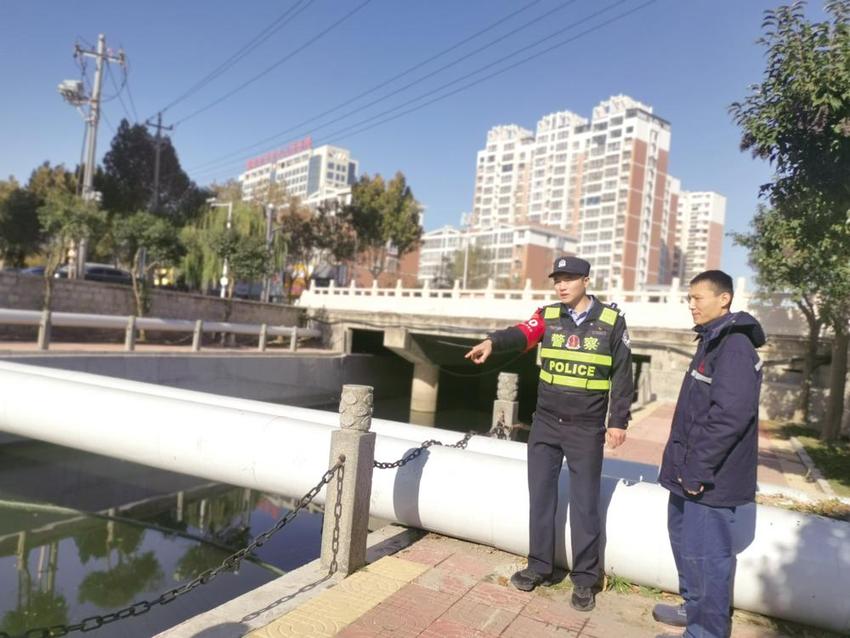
(478, 266)
(20, 232)
(145, 243)
(65, 220)
(334, 231)
(46, 179)
(782, 260)
(247, 257)
(202, 264)
(126, 180)
(798, 119)
(385, 216)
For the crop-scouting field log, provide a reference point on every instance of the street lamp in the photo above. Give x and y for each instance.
(224, 268)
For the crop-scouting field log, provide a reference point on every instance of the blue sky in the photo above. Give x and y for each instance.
(689, 59)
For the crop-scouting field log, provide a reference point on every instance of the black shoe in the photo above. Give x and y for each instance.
(527, 579)
(583, 598)
(670, 615)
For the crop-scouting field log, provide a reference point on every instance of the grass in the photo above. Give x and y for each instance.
(831, 508)
(832, 459)
(620, 585)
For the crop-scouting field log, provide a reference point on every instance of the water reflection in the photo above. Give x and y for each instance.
(59, 564)
(82, 534)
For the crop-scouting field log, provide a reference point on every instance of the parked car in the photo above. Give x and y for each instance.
(101, 272)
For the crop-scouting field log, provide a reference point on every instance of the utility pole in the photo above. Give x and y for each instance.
(267, 281)
(224, 281)
(101, 56)
(158, 145)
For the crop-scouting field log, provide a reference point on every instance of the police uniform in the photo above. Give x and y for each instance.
(582, 367)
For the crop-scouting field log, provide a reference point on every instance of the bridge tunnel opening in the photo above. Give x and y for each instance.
(465, 391)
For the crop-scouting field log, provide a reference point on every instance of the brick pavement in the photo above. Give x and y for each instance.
(778, 463)
(441, 587)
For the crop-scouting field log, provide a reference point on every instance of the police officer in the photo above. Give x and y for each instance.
(586, 359)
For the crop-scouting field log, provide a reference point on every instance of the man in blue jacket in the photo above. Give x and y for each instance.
(710, 460)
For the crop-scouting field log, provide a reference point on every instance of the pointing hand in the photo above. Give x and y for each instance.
(480, 352)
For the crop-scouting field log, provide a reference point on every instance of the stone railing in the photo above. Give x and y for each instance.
(662, 308)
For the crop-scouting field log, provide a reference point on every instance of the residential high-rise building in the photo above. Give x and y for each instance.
(501, 180)
(699, 233)
(313, 174)
(604, 180)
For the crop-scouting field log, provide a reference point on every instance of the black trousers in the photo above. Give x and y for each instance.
(551, 440)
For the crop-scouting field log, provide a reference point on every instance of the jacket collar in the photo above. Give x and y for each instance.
(593, 310)
(710, 330)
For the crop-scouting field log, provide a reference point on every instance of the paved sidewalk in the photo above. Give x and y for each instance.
(779, 465)
(445, 588)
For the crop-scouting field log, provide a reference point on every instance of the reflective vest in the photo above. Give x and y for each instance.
(577, 357)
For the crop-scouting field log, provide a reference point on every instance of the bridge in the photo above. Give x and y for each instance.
(428, 328)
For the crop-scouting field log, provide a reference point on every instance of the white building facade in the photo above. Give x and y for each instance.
(699, 233)
(312, 174)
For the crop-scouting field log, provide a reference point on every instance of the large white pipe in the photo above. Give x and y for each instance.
(797, 567)
(617, 468)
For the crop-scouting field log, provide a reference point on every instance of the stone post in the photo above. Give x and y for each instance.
(505, 407)
(347, 504)
(264, 335)
(44, 331)
(198, 335)
(526, 292)
(130, 334)
(293, 339)
(424, 387)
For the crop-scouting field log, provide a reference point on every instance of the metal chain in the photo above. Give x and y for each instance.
(501, 430)
(340, 476)
(425, 445)
(230, 563)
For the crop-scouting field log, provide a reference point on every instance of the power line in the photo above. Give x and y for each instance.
(108, 123)
(380, 85)
(129, 93)
(272, 67)
(276, 25)
(119, 90)
(593, 29)
(511, 55)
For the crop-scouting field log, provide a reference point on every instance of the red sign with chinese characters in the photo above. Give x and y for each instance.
(273, 156)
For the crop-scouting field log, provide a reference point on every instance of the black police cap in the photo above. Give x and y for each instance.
(571, 266)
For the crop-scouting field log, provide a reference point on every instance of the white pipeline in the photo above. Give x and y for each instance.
(617, 468)
(796, 567)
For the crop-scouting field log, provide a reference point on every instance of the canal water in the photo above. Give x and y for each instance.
(83, 535)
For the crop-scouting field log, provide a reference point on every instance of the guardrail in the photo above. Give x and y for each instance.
(665, 308)
(131, 325)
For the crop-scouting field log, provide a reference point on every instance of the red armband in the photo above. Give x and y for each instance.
(533, 329)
